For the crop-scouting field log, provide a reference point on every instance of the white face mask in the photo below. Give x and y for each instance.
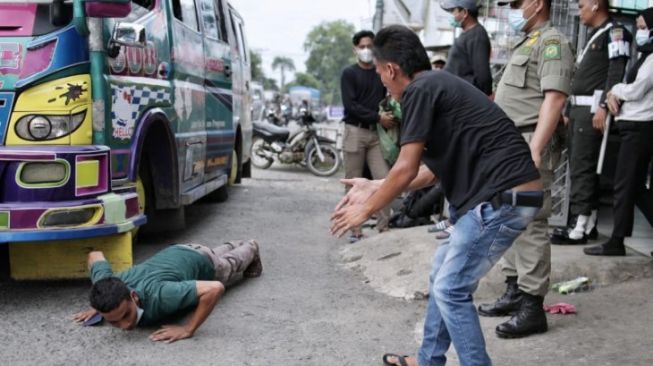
(139, 314)
(516, 18)
(365, 55)
(643, 36)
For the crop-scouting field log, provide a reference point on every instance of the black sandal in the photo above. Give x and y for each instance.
(402, 360)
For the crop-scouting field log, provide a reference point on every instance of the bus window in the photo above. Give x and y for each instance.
(235, 33)
(222, 22)
(243, 49)
(208, 19)
(184, 10)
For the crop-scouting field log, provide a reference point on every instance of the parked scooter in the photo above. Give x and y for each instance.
(304, 147)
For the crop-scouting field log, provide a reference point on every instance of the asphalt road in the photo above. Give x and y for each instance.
(304, 310)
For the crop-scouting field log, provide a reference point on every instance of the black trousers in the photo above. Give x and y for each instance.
(585, 144)
(633, 161)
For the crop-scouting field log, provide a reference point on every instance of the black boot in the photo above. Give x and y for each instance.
(507, 304)
(529, 319)
(614, 247)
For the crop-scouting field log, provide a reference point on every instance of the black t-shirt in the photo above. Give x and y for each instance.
(469, 58)
(362, 91)
(470, 143)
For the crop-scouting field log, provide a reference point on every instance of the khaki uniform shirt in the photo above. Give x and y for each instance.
(541, 61)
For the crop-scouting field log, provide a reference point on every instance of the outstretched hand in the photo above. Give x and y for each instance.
(361, 190)
(85, 315)
(350, 212)
(170, 333)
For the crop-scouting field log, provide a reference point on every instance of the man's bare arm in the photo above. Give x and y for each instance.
(208, 293)
(550, 111)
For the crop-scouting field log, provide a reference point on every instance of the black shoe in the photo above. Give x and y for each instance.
(507, 304)
(529, 319)
(594, 234)
(560, 236)
(614, 247)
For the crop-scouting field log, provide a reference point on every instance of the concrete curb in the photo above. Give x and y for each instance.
(397, 263)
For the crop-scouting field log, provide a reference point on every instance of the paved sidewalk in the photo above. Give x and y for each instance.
(398, 262)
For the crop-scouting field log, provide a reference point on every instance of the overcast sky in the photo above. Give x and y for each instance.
(279, 27)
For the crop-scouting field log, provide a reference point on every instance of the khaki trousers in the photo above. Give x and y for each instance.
(362, 145)
(529, 258)
(229, 258)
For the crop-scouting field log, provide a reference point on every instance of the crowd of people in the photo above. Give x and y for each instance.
(494, 153)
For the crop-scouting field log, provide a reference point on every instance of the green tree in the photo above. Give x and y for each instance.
(283, 64)
(270, 84)
(330, 51)
(304, 79)
(255, 66)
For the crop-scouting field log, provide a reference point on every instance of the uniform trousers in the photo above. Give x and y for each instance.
(585, 143)
(529, 259)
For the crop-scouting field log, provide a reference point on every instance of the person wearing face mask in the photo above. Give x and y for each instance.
(469, 57)
(362, 91)
(176, 279)
(632, 105)
(533, 92)
(601, 64)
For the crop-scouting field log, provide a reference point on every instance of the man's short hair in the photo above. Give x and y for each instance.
(108, 293)
(401, 45)
(360, 35)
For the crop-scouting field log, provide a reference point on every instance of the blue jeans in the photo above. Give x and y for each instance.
(479, 239)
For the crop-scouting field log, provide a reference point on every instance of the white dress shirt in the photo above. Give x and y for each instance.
(637, 96)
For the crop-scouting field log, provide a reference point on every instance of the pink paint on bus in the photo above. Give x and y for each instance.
(17, 19)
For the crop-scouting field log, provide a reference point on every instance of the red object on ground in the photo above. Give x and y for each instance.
(560, 308)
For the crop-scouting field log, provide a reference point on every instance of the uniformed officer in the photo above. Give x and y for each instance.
(532, 91)
(601, 65)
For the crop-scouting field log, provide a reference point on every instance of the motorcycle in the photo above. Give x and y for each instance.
(304, 147)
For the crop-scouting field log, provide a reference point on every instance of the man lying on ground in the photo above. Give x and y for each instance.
(173, 281)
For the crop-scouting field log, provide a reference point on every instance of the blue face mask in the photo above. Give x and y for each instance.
(642, 37)
(516, 18)
(453, 22)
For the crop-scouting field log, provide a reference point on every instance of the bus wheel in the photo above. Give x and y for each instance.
(158, 221)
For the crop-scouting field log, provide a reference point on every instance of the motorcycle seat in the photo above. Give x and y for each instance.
(269, 129)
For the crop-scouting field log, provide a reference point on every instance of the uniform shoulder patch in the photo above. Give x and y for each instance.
(618, 42)
(552, 49)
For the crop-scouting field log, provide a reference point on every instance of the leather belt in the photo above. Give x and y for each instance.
(582, 100)
(364, 126)
(515, 198)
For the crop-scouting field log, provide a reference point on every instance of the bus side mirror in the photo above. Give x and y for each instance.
(107, 8)
(126, 34)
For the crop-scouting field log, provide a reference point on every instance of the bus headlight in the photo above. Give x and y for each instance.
(36, 127)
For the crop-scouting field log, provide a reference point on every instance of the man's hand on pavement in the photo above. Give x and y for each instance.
(170, 333)
(85, 315)
(387, 120)
(598, 121)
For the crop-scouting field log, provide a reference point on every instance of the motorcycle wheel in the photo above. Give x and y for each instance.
(258, 157)
(331, 162)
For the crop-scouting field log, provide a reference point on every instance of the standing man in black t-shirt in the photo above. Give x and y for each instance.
(362, 91)
(469, 57)
(486, 171)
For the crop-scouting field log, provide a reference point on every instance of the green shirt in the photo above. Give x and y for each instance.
(165, 283)
(541, 61)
